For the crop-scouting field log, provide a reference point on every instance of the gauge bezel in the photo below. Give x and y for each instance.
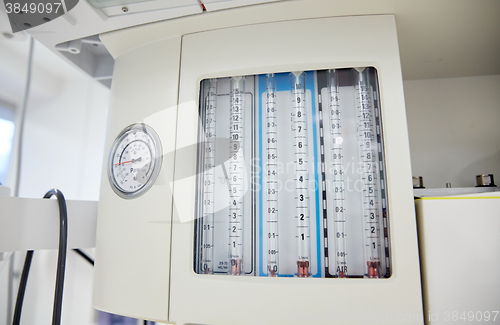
(156, 159)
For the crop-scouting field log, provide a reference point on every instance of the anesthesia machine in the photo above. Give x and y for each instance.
(257, 165)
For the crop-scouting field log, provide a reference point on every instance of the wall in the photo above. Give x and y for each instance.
(454, 129)
(63, 148)
(65, 122)
(64, 142)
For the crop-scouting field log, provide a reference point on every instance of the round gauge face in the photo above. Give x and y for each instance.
(134, 161)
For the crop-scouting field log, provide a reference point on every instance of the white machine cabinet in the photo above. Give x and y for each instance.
(283, 189)
(462, 232)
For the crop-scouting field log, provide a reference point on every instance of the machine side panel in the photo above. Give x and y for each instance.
(133, 235)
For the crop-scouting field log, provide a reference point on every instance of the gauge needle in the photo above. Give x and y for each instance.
(132, 161)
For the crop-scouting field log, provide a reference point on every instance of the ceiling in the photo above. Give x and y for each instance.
(437, 38)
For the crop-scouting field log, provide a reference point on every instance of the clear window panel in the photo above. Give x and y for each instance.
(291, 176)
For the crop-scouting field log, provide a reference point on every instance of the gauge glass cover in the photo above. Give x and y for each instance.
(135, 161)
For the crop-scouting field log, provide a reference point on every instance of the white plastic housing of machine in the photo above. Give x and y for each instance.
(145, 246)
(460, 233)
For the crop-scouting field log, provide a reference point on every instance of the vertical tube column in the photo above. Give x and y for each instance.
(338, 187)
(368, 149)
(236, 177)
(272, 177)
(301, 201)
(209, 180)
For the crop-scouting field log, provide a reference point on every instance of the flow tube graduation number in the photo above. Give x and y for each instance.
(236, 175)
(338, 176)
(209, 180)
(299, 128)
(272, 176)
(367, 150)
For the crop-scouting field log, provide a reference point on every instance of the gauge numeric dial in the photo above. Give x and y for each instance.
(134, 161)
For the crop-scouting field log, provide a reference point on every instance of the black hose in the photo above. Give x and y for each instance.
(85, 256)
(61, 264)
(61, 259)
(22, 288)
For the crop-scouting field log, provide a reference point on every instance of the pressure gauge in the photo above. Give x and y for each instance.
(134, 161)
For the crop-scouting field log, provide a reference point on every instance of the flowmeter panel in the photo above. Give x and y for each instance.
(284, 194)
(291, 177)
